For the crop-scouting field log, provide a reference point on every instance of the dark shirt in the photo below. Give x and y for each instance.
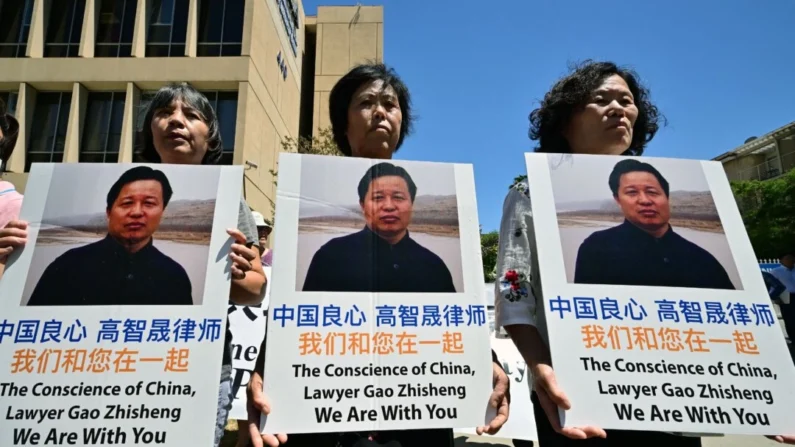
(103, 273)
(627, 255)
(364, 262)
(774, 286)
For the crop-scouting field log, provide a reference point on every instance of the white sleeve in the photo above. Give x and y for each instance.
(514, 302)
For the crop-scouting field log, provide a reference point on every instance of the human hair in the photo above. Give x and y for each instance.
(193, 98)
(135, 174)
(569, 94)
(342, 94)
(384, 170)
(10, 128)
(632, 165)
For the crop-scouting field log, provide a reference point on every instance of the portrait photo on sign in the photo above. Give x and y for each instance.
(640, 222)
(123, 235)
(372, 226)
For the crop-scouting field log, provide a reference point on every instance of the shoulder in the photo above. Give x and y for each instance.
(169, 265)
(426, 254)
(601, 236)
(520, 188)
(341, 243)
(696, 250)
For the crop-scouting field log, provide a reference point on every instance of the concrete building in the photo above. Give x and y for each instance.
(78, 74)
(762, 158)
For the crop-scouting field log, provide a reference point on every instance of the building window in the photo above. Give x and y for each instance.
(220, 27)
(225, 106)
(288, 9)
(50, 118)
(10, 100)
(168, 24)
(140, 114)
(63, 32)
(102, 128)
(115, 28)
(14, 27)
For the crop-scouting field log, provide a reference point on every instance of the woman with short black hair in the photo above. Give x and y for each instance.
(370, 110)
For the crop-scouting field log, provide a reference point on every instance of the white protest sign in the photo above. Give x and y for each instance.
(113, 314)
(247, 324)
(377, 317)
(658, 317)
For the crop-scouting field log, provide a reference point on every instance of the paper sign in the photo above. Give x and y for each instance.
(658, 317)
(377, 317)
(113, 314)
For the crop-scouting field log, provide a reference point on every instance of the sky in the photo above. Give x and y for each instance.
(720, 72)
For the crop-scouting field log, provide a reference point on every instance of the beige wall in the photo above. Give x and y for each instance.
(269, 106)
(346, 36)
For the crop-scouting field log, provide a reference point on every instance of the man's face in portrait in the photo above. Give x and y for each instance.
(136, 213)
(387, 207)
(643, 201)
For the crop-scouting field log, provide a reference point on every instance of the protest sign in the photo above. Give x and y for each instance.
(377, 318)
(247, 324)
(648, 262)
(521, 423)
(112, 329)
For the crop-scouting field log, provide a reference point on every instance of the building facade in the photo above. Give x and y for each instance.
(762, 158)
(78, 74)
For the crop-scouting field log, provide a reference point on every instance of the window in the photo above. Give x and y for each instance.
(220, 27)
(48, 135)
(288, 11)
(225, 106)
(102, 128)
(10, 100)
(14, 27)
(168, 24)
(140, 114)
(115, 28)
(63, 32)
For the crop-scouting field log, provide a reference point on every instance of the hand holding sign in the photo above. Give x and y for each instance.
(257, 404)
(551, 397)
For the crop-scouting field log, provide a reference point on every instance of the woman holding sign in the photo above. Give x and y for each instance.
(370, 112)
(600, 108)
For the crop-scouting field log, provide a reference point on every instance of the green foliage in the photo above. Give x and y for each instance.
(518, 179)
(768, 210)
(489, 245)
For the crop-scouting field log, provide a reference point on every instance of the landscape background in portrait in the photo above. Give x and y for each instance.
(584, 204)
(74, 216)
(329, 208)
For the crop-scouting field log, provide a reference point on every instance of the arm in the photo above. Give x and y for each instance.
(249, 289)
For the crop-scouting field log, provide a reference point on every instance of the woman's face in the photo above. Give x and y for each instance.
(605, 123)
(374, 120)
(179, 133)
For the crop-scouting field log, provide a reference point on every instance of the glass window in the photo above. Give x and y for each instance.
(15, 18)
(48, 129)
(168, 25)
(102, 128)
(10, 100)
(115, 28)
(290, 22)
(63, 31)
(220, 27)
(140, 114)
(225, 106)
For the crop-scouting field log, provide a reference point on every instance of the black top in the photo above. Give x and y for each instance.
(103, 273)
(627, 255)
(364, 262)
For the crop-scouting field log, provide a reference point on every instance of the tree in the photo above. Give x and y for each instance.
(768, 210)
(489, 245)
(320, 144)
(518, 179)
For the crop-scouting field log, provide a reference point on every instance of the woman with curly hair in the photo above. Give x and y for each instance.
(600, 108)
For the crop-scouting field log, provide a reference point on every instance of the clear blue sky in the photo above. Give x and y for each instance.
(720, 71)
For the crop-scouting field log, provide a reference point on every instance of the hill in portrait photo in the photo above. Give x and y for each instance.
(641, 222)
(370, 226)
(123, 234)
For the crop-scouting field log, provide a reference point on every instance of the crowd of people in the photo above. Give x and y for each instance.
(599, 108)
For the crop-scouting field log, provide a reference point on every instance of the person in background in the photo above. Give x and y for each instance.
(370, 111)
(264, 230)
(785, 274)
(181, 127)
(10, 199)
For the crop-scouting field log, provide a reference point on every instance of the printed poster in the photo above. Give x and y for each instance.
(658, 317)
(113, 314)
(378, 319)
(247, 324)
